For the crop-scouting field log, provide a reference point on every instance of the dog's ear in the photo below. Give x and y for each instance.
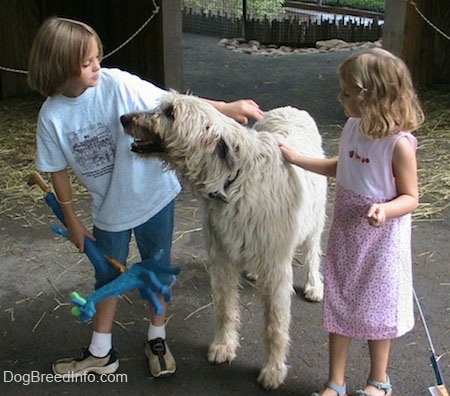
(224, 152)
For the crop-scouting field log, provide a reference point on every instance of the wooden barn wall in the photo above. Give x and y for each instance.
(114, 20)
(19, 21)
(156, 52)
(427, 52)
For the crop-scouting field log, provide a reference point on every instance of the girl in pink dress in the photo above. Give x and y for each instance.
(368, 275)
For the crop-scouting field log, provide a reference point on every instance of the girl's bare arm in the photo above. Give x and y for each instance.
(404, 164)
(323, 166)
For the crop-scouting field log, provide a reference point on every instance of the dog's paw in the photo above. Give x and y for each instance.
(272, 377)
(314, 293)
(221, 353)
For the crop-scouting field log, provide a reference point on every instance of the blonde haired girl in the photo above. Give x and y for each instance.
(368, 274)
(386, 92)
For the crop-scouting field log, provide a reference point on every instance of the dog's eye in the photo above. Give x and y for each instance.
(168, 111)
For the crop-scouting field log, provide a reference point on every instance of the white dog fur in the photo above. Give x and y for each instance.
(257, 209)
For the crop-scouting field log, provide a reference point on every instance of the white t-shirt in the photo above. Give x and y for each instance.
(85, 133)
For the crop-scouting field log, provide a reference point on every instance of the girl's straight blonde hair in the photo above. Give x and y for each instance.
(387, 99)
(57, 53)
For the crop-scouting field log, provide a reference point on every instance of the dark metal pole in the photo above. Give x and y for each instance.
(244, 19)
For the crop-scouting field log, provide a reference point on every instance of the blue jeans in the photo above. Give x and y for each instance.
(153, 237)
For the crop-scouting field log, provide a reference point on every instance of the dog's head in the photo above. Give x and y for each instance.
(138, 125)
(188, 134)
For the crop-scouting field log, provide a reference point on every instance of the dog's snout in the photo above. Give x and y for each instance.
(125, 120)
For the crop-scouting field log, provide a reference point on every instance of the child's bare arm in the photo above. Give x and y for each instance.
(240, 110)
(404, 164)
(63, 190)
(323, 166)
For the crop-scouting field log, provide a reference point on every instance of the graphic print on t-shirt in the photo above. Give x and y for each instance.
(93, 149)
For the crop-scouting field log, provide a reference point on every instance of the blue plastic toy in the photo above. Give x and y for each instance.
(140, 275)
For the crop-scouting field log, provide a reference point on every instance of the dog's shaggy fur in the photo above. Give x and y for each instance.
(256, 209)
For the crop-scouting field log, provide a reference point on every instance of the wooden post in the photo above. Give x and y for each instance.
(244, 19)
(170, 34)
(394, 26)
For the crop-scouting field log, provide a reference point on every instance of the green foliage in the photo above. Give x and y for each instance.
(255, 8)
(371, 5)
(265, 7)
(262, 8)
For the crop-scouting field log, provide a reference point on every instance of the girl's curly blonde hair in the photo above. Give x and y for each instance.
(387, 99)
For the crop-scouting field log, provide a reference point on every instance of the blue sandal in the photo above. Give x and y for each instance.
(340, 390)
(384, 386)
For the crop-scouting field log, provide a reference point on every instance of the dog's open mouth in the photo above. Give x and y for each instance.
(146, 146)
(145, 141)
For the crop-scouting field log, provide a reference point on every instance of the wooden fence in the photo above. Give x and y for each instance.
(293, 31)
(154, 54)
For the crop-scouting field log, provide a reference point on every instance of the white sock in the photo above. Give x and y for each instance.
(156, 332)
(101, 344)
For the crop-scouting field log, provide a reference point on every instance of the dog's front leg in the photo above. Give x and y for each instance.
(277, 293)
(224, 284)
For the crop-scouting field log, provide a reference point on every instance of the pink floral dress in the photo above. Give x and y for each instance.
(368, 272)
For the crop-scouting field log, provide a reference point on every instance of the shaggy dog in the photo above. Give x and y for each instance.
(256, 209)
